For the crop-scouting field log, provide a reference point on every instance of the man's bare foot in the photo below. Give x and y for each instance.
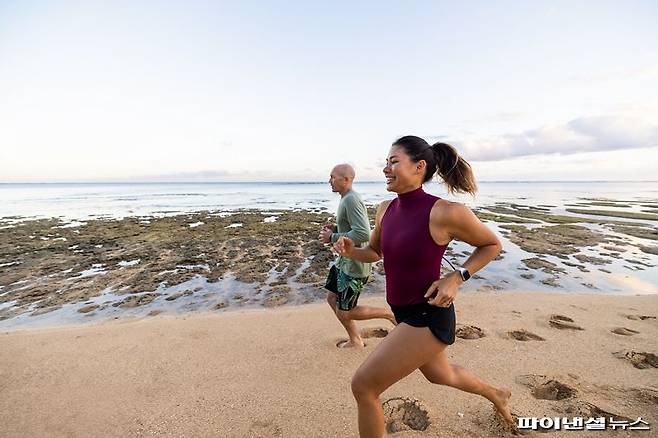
(501, 402)
(351, 344)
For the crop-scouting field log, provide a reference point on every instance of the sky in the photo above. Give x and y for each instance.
(281, 91)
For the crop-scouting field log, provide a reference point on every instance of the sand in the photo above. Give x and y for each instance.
(278, 373)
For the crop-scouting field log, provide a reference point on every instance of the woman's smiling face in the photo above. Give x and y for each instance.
(402, 174)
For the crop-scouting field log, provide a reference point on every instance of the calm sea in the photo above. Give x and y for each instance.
(80, 201)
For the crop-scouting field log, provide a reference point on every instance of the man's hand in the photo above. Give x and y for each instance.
(325, 234)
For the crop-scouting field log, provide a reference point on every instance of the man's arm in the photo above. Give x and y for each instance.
(373, 251)
(357, 216)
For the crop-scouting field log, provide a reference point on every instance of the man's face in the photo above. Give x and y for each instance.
(337, 181)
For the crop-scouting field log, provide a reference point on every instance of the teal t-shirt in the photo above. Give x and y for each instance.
(352, 221)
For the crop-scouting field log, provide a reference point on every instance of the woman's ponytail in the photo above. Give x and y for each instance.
(453, 169)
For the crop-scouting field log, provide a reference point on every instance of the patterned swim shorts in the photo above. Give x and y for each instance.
(345, 287)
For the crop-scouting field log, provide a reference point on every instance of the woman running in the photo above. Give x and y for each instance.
(411, 234)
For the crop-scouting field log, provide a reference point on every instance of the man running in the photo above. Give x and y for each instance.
(347, 277)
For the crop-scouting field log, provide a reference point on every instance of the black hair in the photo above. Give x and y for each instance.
(441, 159)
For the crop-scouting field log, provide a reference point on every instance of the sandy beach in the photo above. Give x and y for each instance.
(278, 372)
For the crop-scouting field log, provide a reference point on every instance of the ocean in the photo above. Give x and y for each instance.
(84, 200)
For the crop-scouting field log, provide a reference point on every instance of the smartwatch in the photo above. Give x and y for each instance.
(464, 274)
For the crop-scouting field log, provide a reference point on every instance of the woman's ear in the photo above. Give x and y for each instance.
(420, 166)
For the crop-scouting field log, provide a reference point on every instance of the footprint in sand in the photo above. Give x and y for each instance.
(469, 332)
(640, 317)
(624, 331)
(573, 403)
(343, 343)
(264, 429)
(639, 360)
(402, 413)
(585, 409)
(374, 332)
(524, 335)
(366, 333)
(563, 323)
(578, 307)
(645, 395)
(545, 388)
(500, 427)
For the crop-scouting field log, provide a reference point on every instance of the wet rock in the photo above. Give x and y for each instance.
(136, 300)
(557, 240)
(44, 310)
(649, 249)
(551, 281)
(544, 265)
(643, 232)
(177, 295)
(593, 260)
(615, 213)
(89, 308)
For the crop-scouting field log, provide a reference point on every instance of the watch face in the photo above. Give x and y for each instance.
(464, 274)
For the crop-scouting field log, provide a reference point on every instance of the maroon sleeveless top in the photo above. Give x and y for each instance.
(412, 259)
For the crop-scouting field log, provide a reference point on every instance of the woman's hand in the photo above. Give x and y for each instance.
(445, 290)
(344, 247)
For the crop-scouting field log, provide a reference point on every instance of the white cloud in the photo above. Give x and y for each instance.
(584, 134)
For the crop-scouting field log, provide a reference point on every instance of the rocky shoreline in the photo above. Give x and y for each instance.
(218, 259)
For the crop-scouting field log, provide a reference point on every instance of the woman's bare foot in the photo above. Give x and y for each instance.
(500, 400)
(391, 318)
(351, 344)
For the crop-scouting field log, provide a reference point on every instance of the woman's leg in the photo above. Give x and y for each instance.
(404, 350)
(440, 371)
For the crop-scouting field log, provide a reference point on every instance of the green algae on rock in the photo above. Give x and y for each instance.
(614, 213)
(556, 240)
(46, 264)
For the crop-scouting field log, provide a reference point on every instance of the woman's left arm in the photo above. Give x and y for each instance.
(451, 220)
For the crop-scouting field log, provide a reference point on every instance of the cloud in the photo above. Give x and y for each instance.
(584, 134)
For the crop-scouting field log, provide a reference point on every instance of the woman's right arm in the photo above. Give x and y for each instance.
(370, 253)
